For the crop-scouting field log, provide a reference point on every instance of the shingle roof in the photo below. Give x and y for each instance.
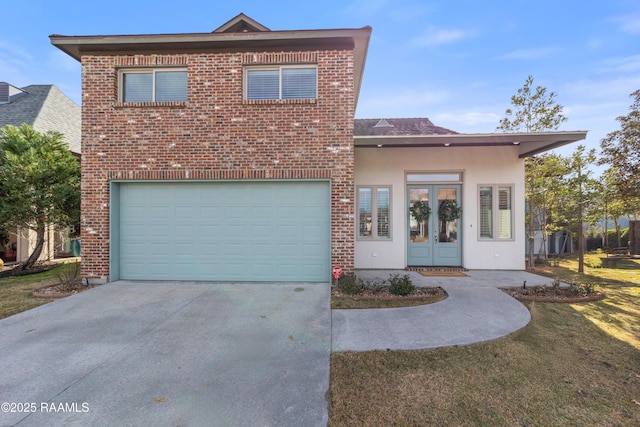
(45, 108)
(408, 126)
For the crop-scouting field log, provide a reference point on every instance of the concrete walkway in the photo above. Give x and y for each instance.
(162, 353)
(476, 310)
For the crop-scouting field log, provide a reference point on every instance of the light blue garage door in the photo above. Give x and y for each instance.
(231, 231)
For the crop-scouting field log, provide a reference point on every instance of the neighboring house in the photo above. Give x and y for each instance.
(45, 108)
(234, 156)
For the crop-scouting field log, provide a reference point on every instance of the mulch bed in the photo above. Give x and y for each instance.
(382, 293)
(550, 294)
(61, 290)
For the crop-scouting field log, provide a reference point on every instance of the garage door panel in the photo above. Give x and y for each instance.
(260, 231)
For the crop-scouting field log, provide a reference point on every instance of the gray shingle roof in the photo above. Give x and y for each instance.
(412, 126)
(45, 108)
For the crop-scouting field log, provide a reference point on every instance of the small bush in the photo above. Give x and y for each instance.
(400, 285)
(349, 284)
(555, 284)
(68, 276)
(584, 289)
(540, 290)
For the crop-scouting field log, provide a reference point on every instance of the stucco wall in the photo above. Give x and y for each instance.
(478, 165)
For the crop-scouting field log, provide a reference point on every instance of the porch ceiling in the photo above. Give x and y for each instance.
(528, 144)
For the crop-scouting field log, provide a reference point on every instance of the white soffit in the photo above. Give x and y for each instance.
(528, 144)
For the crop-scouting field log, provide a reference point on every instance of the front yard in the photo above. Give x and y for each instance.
(574, 364)
(16, 292)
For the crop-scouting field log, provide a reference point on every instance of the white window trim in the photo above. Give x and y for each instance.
(245, 80)
(374, 213)
(495, 209)
(142, 70)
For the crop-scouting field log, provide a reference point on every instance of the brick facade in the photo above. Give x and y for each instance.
(216, 135)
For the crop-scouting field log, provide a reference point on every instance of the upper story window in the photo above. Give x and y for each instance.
(153, 85)
(281, 82)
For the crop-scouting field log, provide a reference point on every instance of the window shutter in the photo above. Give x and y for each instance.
(504, 207)
(486, 217)
(382, 203)
(365, 211)
(171, 86)
(299, 83)
(263, 84)
(138, 87)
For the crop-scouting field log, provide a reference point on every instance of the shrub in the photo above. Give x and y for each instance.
(540, 290)
(584, 289)
(68, 276)
(400, 285)
(349, 284)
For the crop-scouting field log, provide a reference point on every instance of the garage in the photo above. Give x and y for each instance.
(221, 231)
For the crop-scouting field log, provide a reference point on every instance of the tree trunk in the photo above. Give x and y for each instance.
(580, 224)
(532, 238)
(634, 237)
(40, 232)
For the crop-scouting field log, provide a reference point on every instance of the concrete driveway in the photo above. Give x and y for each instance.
(167, 354)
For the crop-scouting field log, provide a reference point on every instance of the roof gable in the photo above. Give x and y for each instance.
(45, 108)
(24, 106)
(241, 24)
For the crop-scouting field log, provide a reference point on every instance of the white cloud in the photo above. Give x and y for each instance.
(365, 8)
(401, 102)
(438, 36)
(468, 121)
(629, 24)
(627, 64)
(531, 54)
(11, 51)
(602, 91)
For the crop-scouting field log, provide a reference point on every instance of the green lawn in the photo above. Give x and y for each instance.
(16, 292)
(573, 365)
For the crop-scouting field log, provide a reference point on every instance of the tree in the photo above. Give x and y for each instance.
(613, 203)
(580, 195)
(544, 178)
(534, 110)
(621, 150)
(39, 183)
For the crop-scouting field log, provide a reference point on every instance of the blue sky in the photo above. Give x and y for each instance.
(456, 62)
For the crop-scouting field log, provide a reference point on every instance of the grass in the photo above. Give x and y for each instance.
(574, 364)
(16, 292)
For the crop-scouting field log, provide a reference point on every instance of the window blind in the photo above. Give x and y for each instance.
(171, 86)
(486, 216)
(382, 203)
(504, 209)
(263, 84)
(365, 211)
(298, 83)
(138, 87)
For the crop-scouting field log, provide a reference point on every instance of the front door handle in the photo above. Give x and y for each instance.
(435, 237)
